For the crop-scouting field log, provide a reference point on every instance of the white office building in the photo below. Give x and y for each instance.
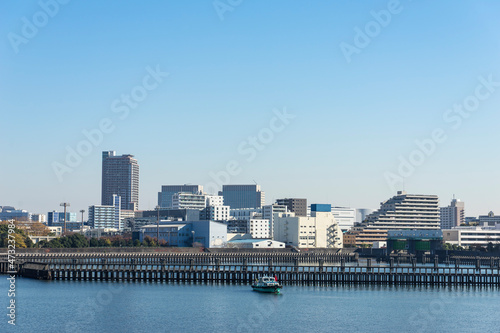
(259, 228)
(185, 200)
(345, 217)
(214, 200)
(269, 212)
(216, 213)
(467, 236)
(320, 230)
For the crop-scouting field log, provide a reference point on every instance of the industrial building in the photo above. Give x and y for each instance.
(208, 234)
(414, 241)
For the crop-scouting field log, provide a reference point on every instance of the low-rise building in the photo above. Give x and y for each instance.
(414, 241)
(208, 234)
(476, 235)
(10, 213)
(320, 230)
(57, 218)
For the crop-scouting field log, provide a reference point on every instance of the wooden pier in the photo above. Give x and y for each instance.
(244, 268)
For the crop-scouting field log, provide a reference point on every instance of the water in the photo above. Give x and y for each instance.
(70, 306)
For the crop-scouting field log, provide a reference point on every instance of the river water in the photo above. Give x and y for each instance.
(71, 306)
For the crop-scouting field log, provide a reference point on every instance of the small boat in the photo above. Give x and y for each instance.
(267, 284)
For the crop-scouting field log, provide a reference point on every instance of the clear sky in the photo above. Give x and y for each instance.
(362, 81)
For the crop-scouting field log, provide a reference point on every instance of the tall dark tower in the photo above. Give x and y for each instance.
(120, 176)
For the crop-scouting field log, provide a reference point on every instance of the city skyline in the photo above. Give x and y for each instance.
(368, 93)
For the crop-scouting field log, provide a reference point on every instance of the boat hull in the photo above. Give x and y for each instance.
(270, 289)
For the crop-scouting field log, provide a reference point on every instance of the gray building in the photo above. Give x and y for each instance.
(243, 196)
(173, 214)
(208, 234)
(167, 192)
(453, 215)
(294, 205)
(489, 220)
(120, 176)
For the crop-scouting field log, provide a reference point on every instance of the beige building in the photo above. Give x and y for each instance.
(467, 236)
(317, 231)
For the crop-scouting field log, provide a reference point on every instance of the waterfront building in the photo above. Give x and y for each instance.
(474, 235)
(120, 176)
(401, 212)
(106, 216)
(167, 192)
(452, 215)
(413, 241)
(320, 230)
(208, 234)
(243, 196)
(294, 205)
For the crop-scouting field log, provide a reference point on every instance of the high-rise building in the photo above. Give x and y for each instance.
(401, 212)
(453, 215)
(120, 176)
(294, 205)
(167, 192)
(243, 196)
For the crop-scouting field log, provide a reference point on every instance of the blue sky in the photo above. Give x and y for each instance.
(226, 78)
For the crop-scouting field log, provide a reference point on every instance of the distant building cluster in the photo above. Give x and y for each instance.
(238, 216)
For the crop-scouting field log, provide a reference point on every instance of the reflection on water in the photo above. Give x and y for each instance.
(71, 306)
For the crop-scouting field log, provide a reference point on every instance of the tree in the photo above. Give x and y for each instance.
(94, 242)
(37, 229)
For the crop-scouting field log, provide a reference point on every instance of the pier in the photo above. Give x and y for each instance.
(243, 268)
